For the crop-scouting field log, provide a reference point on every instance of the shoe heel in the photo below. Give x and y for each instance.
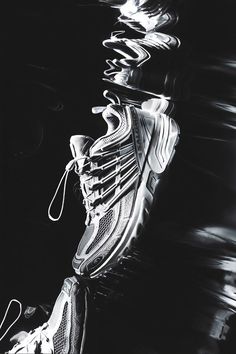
(164, 139)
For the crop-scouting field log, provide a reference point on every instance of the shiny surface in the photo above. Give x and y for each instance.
(195, 214)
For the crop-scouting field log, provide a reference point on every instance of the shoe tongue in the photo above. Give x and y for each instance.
(79, 145)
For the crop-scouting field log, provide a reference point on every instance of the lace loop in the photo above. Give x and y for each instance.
(68, 168)
(5, 315)
(64, 177)
(87, 180)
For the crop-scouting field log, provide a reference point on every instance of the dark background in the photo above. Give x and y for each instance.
(52, 64)
(51, 69)
(51, 75)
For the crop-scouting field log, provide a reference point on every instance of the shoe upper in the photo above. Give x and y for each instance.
(108, 182)
(110, 175)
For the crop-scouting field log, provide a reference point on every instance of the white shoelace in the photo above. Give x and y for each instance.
(5, 315)
(88, 191)
(69, 167)
(114, 99)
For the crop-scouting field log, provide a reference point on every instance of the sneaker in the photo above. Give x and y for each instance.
(119, 174)
(65, 330)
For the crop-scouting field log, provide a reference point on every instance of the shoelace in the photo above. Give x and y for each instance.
(5, 315)
(95, 185)
(114, 99)
(71, 164)
(89, 204)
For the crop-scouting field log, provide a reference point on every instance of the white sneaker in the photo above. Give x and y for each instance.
(65, 330)
(119, 174)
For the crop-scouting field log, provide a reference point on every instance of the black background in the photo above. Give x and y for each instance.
(51, 75)
(51, 69)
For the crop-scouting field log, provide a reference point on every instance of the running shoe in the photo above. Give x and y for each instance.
(65, 330)
(119, 174)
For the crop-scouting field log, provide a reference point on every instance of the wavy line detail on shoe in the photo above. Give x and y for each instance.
(135, 51)
(65, 330)
(145, 15)
(133, 71)
(140, 143)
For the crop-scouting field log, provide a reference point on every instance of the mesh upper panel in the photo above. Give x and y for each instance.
(59, 336)
(105, 224)
(126, 207)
